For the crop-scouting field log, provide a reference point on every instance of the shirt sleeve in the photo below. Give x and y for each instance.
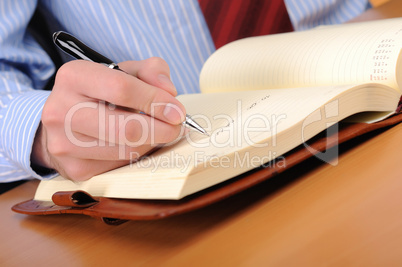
(25, 68)
(308, 14)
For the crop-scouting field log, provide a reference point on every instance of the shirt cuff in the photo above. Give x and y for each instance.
(20, 123)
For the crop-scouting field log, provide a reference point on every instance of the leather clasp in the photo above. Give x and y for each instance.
(79, 199)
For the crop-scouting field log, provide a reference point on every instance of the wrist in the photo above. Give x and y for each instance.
(39, 156)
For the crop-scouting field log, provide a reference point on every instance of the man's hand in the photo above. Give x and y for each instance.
(97, 119)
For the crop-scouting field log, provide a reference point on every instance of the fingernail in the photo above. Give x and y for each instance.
(166, 81)
(172, 113)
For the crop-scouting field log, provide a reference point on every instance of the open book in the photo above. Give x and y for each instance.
(262, 97)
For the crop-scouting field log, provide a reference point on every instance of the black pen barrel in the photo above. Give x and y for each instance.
(74, 47)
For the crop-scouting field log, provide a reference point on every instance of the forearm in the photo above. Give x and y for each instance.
(19, 120)
(20, 111)
(24, 66)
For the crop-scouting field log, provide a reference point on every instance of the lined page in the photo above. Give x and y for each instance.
(330, 55)
(235, 122)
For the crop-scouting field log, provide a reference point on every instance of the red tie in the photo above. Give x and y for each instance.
(229, 20)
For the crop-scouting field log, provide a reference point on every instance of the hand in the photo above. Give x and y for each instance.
(97, 119)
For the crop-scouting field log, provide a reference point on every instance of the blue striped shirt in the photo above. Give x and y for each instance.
(306, 14)
(174, 30)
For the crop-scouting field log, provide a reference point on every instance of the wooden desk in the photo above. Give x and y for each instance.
(346, 215)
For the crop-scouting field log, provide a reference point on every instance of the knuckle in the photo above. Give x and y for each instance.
(120, 87)
(58, 145)
(152, 65)
(66, 72)
(50, 115)
(76, 171)
(153, 62)
(149, 104)
(56, 148)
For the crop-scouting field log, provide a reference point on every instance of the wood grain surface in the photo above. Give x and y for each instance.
(313, 215)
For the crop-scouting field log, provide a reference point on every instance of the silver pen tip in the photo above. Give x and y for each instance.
(190, 123)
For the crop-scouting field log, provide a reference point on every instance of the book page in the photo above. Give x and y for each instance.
(224, 116)
(246, 119)
(236, 122)
(324, 61)
(331, 55)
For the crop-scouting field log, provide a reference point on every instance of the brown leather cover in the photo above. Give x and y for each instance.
(116, 211)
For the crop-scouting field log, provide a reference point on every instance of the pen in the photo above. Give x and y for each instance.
(74, 47)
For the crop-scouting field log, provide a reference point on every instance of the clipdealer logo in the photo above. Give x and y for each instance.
(232, 133)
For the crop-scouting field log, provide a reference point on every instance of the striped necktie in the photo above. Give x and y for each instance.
(229, 20)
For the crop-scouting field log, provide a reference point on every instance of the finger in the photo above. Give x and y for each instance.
(85, 147)
(154, 71)
(118, 126)
(74, 161)
(98, 82)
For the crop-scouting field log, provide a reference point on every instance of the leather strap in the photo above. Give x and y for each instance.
(115, 211)
(79, 199)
